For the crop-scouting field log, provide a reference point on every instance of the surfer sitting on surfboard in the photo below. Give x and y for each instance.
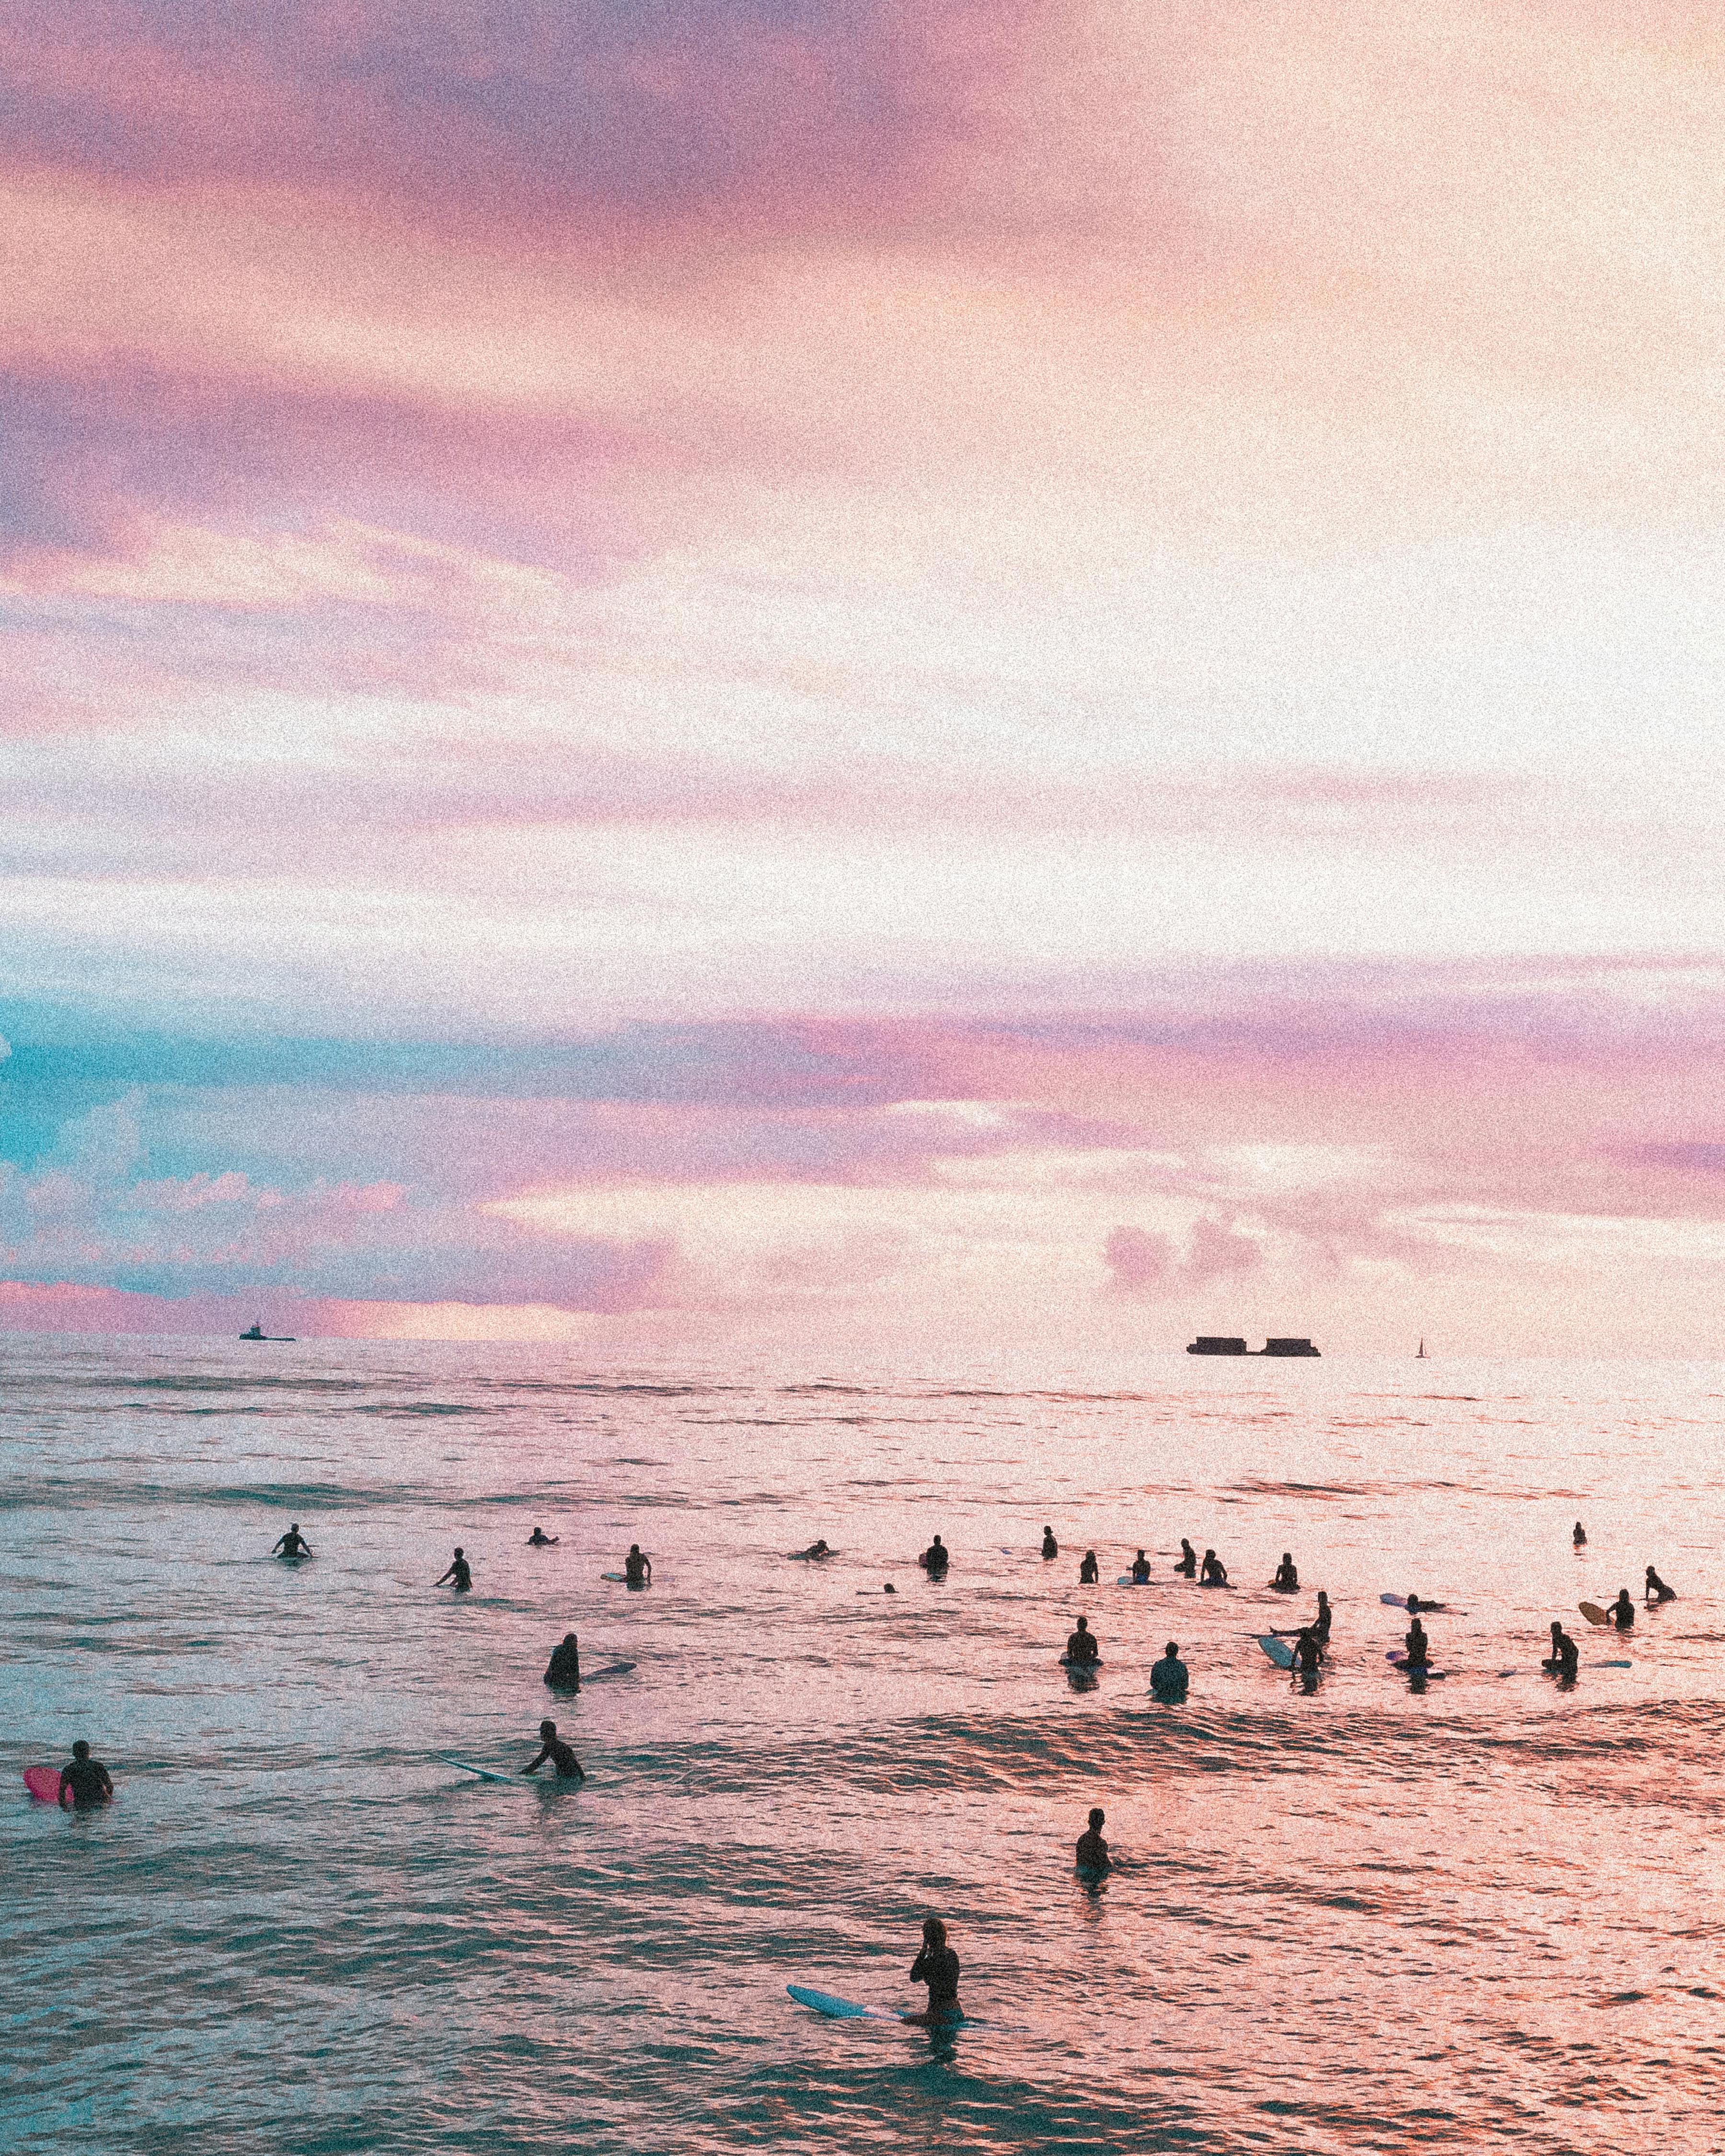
(460, 1572)
(1579, 1536)
(1051, 1547)
(1215, 1573)
(1417, 1645)
(1188, 1558)
(1081, 1650)
(540, 1540)
(552, 1748)
(1089, 1569)
(934, 1559)
(637, 1569)
(938, 1967)
(1092, 1850)
(1564, 1654)
(1169, 1677)
(1657, 1591)
(564, 1670)
(84, 1780)
(1287, 1577)
(1140, 1568)
(293, 1543)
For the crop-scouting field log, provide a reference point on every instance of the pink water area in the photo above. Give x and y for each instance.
(44, 1784)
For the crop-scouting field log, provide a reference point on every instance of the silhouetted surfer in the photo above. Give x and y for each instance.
(293, 1543)
(1416, 1602)
(1051, 1547)
(563, 1670)
(1579, 1536)
(1622, 1612)
(1321, 1623)
(1188, 1560)
(935, 1558)
(84, 1781)
(1307, 1653)
(552, 1748)
(1565, 1658)
(1214, 1573)
(938, 1967)
(1657, 1591)
(460, 1572)
(816, 1549)
(1169, 1677)
(1418, 1647)
(1092, 1850)
(1287, 1577)
(1082, 1652)
(1140, 1568)
(540, 1540)
(1089, 1570)
(637, 1567)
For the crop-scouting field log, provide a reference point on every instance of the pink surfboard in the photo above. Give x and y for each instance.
(44, 1784)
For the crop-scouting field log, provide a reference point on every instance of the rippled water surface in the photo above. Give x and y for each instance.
(1484, 1915)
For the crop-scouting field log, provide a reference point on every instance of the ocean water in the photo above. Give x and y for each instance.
(1484, 1915)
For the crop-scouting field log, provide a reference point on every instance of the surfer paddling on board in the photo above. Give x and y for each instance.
(562, 1672)
(1188, 1560)
(1082, 1652)
(1089, 1570)
(1092, 1850)
(1169, 1677)
(1622, 1612)
(637, 1569)
(551, 1747)
(938, 1967)
(1565, 1658)
(935, 1559)
(1657, 1591)
(1287, 1577)
(84, 1781)
(540, 1540)
(1140, 1569)
(1051, 1547)
(293, 1543)
(459, 1573)
(816, 1550)
(1214, 1573)
(1416, 1602)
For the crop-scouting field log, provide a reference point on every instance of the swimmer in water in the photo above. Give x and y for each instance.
(1622, 1611)
(1188, 1560)
(1418, 1646)
(1579, 1536)
(1169, 1677)
(938, 1967)
(293, 1543)
(460, 1572)
(1657, 1591)
(1215, 1573)
(1565, 1658)
(1092, 1850)
(1081, 1650)
(540, 1540)
(1307, 1654)
(816, 1549)
(1287, 1577)
(1088, 1570)
(936, 1558)
(84, 1781)
(562, 1672)
(1416, 1602)
(637, 1568)
(1140, 1568)
(1051, 1547)
(551, 1747)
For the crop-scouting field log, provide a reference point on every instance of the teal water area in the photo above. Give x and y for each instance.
(1487, 1915)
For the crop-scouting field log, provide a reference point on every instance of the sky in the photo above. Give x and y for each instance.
(827, 675)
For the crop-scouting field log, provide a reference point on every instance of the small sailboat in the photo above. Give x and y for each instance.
(1422, 1357)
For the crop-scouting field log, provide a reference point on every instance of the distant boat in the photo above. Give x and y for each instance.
(257, 1332)
(1214, 1343)
(1422, 1357)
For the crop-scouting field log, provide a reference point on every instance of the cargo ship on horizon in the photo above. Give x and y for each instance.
(1215, 1343)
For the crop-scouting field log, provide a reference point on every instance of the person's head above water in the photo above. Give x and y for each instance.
(80, 1750)
(634, 1549)
(1084, 1623)
(458, 1549)
(934, 1931)
(547, 1729)
(1172, 1650)
(1098, 1819)
(568, 1639)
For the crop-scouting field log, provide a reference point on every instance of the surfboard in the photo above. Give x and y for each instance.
(610, 1669)
(811, 1557)
(1126, 1579)
(1593, 1613)
(44, 1784)
(1079, 1668)
(490, 1775)
(1395, 1601)
(838, 2009)
(1400, 1662)
(1279, 1651)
